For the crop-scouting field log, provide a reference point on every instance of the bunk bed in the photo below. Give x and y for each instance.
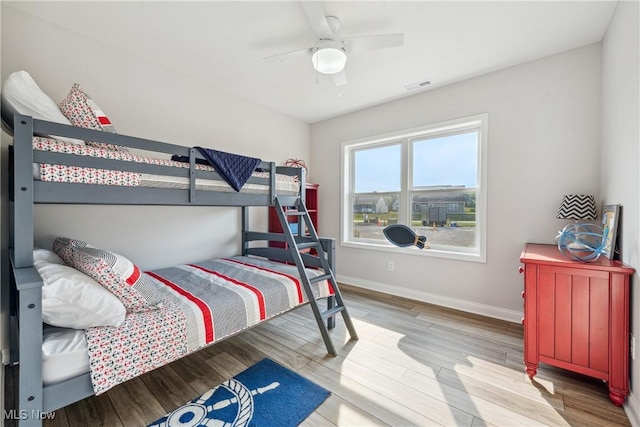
(191, 185)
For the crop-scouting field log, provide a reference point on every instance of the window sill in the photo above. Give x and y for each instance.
(432, 252)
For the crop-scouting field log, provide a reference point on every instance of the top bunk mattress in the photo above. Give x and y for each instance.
(46, 172)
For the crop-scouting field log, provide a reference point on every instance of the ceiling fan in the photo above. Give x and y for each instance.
(329, 54)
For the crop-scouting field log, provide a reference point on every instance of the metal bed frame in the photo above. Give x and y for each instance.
(26, 284)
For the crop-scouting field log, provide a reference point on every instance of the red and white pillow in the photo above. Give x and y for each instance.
(114, 272)
(82, 111)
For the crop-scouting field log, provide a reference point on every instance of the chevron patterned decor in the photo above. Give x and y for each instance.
(577, 206)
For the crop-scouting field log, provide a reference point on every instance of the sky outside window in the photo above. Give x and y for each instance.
(449, 160)
(377, 169)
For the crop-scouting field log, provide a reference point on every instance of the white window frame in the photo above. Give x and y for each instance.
(405, 137)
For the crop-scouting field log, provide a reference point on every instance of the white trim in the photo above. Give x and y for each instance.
(6, 356)
(481, 213)
(345, 170)
(478, 121)
(632, 410)
(455, 303)
(433, 252)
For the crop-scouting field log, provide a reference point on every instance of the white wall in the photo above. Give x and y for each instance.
(152, 102)
(149, 101)
(544, 135)
(620, 153)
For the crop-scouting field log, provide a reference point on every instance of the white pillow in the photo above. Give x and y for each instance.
(21, 94)
(71, 299)
(47, 256)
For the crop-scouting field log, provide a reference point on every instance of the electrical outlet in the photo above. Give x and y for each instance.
(633, 347)
(391, 266)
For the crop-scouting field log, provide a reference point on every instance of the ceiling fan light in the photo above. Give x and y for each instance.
(329, 60)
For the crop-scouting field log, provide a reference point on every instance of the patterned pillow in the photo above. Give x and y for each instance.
(114, 272)
(62, 247)
(82, 111)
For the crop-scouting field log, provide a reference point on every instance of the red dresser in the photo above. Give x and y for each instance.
(576, 316)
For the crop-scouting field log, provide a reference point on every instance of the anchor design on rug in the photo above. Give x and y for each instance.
(199, 412)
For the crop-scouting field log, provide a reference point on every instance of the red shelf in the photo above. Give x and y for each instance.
(311, 195)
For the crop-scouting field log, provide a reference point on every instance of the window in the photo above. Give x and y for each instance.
(429, 178)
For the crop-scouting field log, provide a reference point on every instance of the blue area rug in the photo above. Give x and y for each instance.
(267, 394)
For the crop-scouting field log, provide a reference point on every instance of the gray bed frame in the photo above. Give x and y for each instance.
(26, 284)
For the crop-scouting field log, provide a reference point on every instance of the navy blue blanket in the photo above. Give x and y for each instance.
(234, 168)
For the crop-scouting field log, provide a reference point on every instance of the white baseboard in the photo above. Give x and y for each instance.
(632, 409)
(458, 304)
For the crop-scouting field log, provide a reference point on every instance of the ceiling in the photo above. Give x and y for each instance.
(222, 43)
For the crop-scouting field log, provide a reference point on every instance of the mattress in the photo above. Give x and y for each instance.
(203, 303)
(64, 354)
(285, 184)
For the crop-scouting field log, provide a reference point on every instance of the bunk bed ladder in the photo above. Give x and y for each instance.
(301, 242)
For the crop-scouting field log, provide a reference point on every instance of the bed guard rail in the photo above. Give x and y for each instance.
(25, 190)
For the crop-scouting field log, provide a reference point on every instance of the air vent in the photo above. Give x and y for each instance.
(419, 85)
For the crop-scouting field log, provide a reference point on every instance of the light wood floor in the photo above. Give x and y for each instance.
(414, 365)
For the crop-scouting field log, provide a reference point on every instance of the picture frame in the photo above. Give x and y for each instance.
(610, 218)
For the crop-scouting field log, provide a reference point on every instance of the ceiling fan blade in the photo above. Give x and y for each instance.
(288, 55)
(317, 19)
(340, 79)
(357, 44)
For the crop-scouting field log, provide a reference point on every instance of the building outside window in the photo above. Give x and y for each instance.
(431, 179)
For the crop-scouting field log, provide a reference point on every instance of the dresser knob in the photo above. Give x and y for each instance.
(522, 294)
(521, 269)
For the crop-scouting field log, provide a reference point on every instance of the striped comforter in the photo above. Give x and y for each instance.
(203, 303)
